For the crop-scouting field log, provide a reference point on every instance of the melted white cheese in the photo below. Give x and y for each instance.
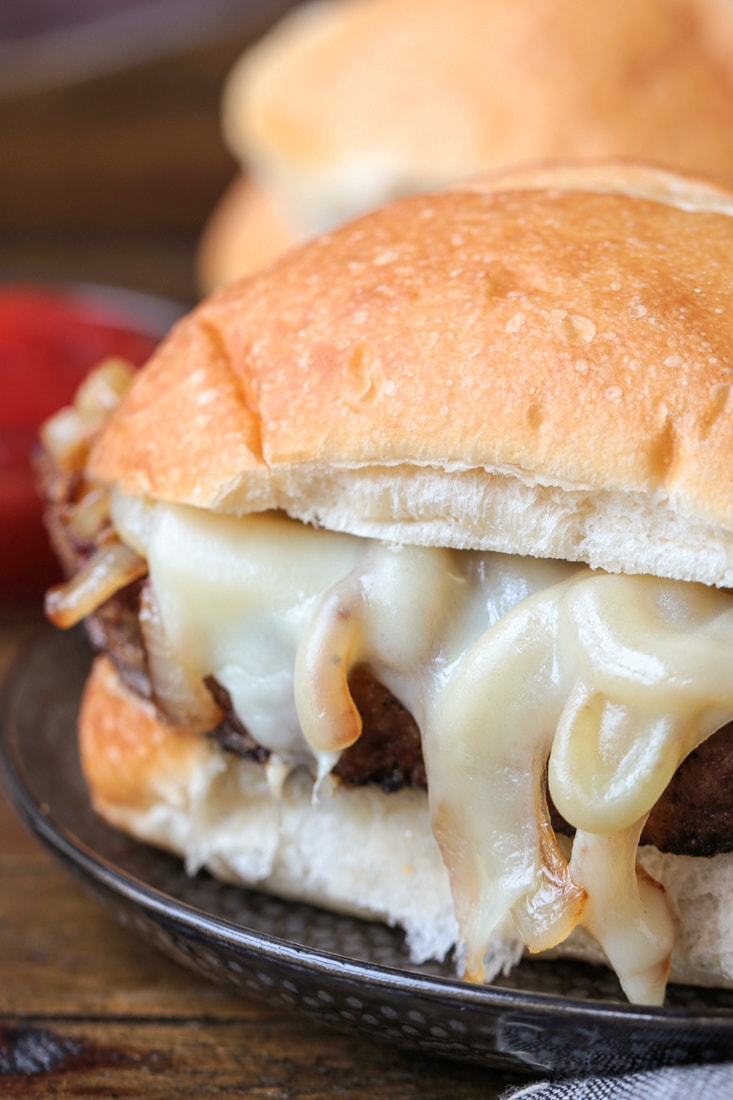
(513, 668)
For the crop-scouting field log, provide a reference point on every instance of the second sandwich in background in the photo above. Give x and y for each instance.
(347, 104)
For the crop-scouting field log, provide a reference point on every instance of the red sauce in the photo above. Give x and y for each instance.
(49, 340)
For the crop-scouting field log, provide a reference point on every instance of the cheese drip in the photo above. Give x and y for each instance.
(514, 669)
(615, 680)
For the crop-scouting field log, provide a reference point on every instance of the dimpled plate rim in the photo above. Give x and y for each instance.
(348, 973)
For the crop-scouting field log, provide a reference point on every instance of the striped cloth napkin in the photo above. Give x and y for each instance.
(708, 1082)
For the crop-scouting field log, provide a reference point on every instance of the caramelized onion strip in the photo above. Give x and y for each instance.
(110, 569)
(90, 514)
(68, 434)
(179, 694)
(547, 915)
(329, 650)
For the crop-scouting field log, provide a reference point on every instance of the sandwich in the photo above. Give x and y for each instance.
(347, 104)
(408, 564)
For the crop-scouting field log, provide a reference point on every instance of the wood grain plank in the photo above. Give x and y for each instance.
(138, 148)
(289, 1058)
(63, 953)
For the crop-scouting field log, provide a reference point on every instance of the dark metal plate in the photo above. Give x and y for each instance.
(549, 1017)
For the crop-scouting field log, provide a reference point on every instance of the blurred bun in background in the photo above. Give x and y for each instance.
(346, 104)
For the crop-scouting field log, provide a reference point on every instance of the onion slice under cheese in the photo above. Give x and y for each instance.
(111, 568)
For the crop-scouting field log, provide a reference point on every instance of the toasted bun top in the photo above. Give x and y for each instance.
(517, 365)
(364, 100)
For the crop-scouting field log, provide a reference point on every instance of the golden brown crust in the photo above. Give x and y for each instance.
(246, 231)
(431, 90)
(577, 340)
(161, 444)
(126, 751)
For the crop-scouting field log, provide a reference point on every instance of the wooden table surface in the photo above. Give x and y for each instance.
(110, 179)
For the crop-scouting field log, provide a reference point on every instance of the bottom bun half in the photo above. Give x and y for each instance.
(354, 850)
